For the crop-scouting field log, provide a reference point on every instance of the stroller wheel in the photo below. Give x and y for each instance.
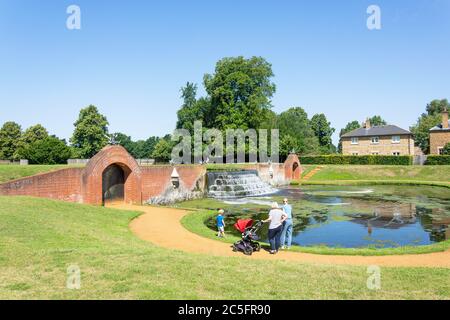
(257, 247)
(234, 248)
(248, 251)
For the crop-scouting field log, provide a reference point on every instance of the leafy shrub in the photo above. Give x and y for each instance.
(50, 150)
(438, 160)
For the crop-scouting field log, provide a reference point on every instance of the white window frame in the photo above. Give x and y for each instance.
(355, 140)
(396, 141)
(375, 153)
(396, 153)
(440, 150)
(377, 138)
(355, 154)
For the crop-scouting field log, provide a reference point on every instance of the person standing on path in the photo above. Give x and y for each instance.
(220, 222)
(288, 226)
(276, 219)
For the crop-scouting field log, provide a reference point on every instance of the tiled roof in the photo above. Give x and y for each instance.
(439, 127)
(387, 130)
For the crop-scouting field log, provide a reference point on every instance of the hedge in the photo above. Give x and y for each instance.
(438, 160)
(361, 160)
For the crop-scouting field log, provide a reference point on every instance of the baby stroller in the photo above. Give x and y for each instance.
(248, 243)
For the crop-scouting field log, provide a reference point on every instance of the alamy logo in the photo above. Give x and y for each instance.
(73, 21)
(374, 19)
(208, 145)
(73, 281)
(374, 279)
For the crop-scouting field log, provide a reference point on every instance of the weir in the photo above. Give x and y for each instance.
(236, 184)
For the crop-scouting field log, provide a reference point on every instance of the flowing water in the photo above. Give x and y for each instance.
(236, 184)
(352, 217)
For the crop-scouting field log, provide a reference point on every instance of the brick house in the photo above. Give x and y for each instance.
(440, 135)
(378, 140)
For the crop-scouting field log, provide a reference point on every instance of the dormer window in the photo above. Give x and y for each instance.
(355, 140)
(375, 140)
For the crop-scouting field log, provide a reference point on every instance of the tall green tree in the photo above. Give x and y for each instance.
(353, 125)
(123, 140)
(429, 119)
(91, 132)
(239, 91)
(34, 133)
(163, 150)
(323, 131)
(190, 111)
(294, 122)
(421, 130)
(31, 135)
(10, 134)
(437, 106)
(143, 149)
(377, 121)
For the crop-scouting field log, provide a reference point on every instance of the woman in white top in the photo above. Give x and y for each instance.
(276, 219)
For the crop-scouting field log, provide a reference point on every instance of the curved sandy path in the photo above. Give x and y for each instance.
(162, 227)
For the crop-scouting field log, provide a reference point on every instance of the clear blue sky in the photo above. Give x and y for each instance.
(130, 58)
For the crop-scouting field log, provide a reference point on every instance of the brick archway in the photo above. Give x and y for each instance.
(92, 178)
(292, 168)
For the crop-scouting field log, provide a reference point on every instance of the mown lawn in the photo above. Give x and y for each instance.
(385, 173)
(11, 172)
(40, 239)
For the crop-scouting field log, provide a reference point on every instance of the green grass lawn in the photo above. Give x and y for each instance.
(40, 239)
(11, 172)
(359, 174)
(353, 172)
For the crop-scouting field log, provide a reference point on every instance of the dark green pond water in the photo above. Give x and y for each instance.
(352, 217)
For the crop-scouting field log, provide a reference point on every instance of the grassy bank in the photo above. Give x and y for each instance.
(40, 239)
(195, 222)
(11, 172)
(382, 173)
(374, 182)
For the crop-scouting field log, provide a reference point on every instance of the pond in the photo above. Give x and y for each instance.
(351, 217)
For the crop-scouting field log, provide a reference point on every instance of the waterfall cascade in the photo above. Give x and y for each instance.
(237, 184)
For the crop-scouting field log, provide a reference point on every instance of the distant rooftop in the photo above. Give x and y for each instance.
(439, 127)
(386, 130)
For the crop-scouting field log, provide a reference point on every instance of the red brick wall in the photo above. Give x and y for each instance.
(64, 184)
(141, 183)
(156, 179)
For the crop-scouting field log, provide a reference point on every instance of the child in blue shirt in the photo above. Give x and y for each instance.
(220, 224)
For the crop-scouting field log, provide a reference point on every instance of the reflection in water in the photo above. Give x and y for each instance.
(384, 217)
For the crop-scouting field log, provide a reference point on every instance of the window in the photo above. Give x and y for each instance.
(395, 139)
(355, 140)
(440, 150)
(396, 153)
(375, 140)
(374, 153)
(355, 153)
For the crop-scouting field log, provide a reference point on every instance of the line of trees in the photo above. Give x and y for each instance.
(89, 137)
(238, 96)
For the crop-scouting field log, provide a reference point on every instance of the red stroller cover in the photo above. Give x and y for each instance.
(243, 224)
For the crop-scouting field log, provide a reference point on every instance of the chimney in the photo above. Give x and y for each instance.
(445, 119)
(367, 124)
